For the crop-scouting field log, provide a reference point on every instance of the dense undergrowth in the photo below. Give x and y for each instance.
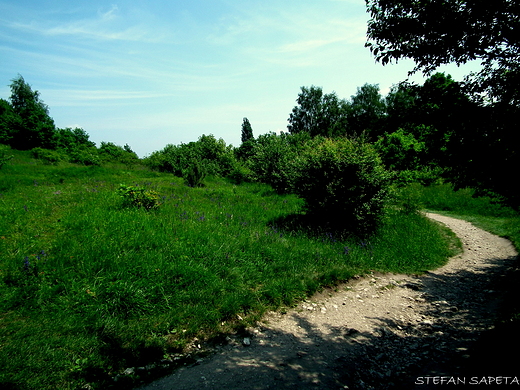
(90, 284)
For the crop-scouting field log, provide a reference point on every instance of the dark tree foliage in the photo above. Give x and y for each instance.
(483, 149)
(70, 139)
(318, 113)
(8, 120)
(33, 127)
(367, 110)
(437, 32)
(474, 143)
(247, 131)
(436, 113)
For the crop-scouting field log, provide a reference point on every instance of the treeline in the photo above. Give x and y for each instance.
(427, 133)
(25, 124)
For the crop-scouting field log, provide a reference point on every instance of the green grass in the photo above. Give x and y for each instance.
(89, 287)
(485, 212)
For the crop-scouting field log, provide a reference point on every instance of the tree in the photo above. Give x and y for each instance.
(8, 121)
(71, 139)
(366, 110)
(318, 113)
(273, 157)
(247, 131)
(437, 113)
(108, 151)
(400, 150)
(437, 32)
(35, 128)
(400, 103)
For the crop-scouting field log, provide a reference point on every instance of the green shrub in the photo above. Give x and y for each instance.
(139, 197)
(85, 156)
(158, 160)
(240, 173)
(425, 176)
(51, 157)
(213, 154)
(4, 158)
(400, 150)
(216, 156)
(343, 183)
(272, 161)
(108, 151)
(195, 174)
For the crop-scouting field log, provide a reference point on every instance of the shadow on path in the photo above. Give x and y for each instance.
(454, 332)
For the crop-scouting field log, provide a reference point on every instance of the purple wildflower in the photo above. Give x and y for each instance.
(26, 263)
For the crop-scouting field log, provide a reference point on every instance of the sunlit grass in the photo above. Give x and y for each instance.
(485, 212)
(89, 286)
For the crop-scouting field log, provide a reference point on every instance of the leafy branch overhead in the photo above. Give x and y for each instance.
(438, 32)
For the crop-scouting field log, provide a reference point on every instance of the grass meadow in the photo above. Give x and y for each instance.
(89, 286)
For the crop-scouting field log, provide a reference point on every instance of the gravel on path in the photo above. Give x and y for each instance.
(384, 331)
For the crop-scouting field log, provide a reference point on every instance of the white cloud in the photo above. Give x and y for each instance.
(110, 14)
(105, 25)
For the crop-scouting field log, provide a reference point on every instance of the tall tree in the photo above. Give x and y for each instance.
(367, 109)
(437, 32)
(247, 131)
(437, 113)
(9, 120)
(318, 113)
(35, 127)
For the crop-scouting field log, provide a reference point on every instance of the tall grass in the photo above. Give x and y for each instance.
(89, 286)
(489, 213)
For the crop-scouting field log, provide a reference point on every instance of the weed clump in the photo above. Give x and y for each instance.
(135, 196)
(194, 175)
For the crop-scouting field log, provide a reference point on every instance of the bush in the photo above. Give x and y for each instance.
(343, 183)
(85, 156)
(213, 154)
(4, 158)
(400, 150)
(194, 174)
(272, 160)
(158, 160)
(50, 157)
(240, 173)
(110, 152)
(426, 176)
(139, 197)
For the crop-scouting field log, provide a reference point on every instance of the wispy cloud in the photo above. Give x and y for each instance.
(104, 25)
(180, 68)
(110, 14)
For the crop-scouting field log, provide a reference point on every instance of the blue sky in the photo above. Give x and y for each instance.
(148, 73)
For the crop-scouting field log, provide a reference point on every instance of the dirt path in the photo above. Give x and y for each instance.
(379, 332)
